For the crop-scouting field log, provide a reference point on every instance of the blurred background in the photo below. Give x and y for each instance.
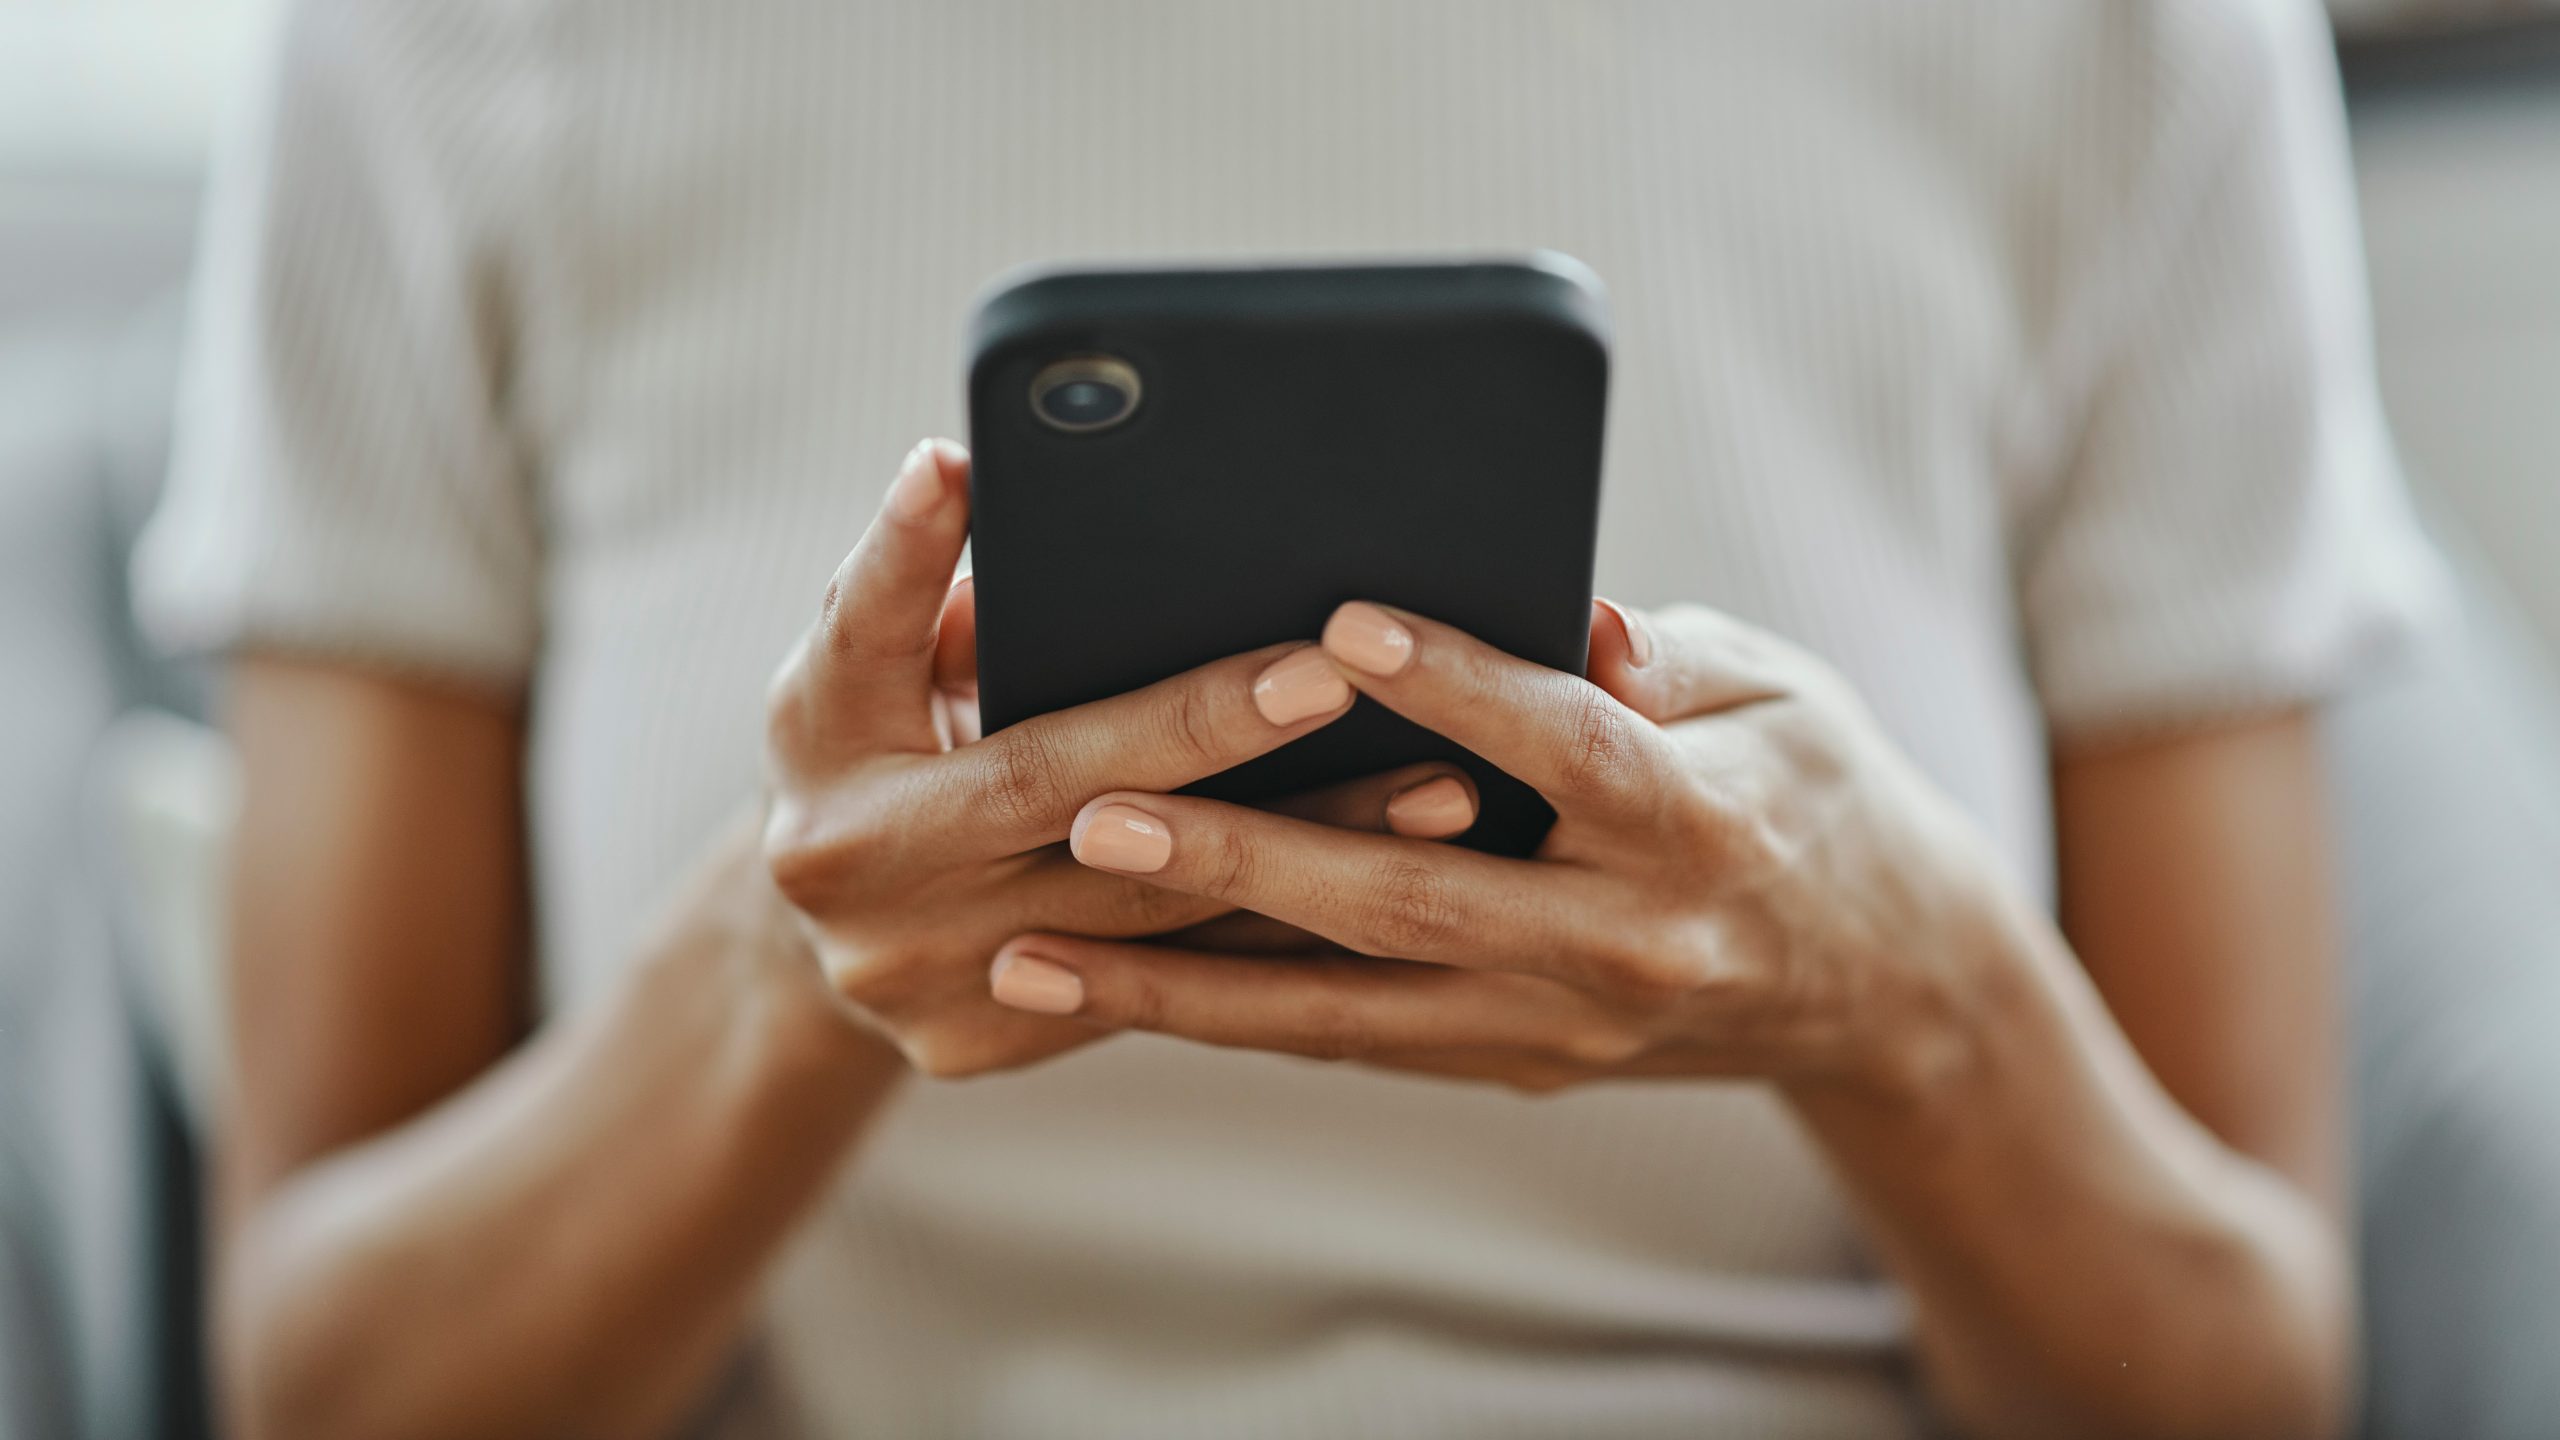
(113, 799)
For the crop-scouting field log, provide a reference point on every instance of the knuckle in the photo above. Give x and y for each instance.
(1330, 1029)
(939, 1057)
(802, 877)
(1600, 1046)
(867, 981)
(1702, 820)
(1635, 966)
(1142, 909)
(1807, 746)
(1680, 969)
(1538, 1081)
(1743, 960)
(1191, 728)
(875, 975)
(1653, 982)
(850, 629)
(1724, 808)
(818, 853)
(786, 697)
(1410, 909)
(1135, 1003)
(831, 603)
(1027, 788)
(847, 640)
(1751, 842)
(954, 1049)
(795, 857)
(1231, 865)
(1601, 749)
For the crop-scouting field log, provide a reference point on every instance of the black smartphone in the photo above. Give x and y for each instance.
(1177, 465)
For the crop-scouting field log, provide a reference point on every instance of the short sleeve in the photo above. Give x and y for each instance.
(2227, 530)
(345, 479)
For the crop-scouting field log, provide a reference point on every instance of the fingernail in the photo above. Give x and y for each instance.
(1362, 636)
(1433, 810)
(1123, 838)
(1639, 638)
(1300, 686)
(918, 490)
(1027, 982)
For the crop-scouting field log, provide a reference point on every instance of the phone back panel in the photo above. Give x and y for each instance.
(1427, 436)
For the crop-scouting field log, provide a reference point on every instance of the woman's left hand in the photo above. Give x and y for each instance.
(1745, 878)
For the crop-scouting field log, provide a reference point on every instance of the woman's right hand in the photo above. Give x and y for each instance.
(912, 850)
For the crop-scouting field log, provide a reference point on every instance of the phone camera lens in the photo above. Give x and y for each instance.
(1084, 392)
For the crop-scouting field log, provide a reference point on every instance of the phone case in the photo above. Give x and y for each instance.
(1424, 435)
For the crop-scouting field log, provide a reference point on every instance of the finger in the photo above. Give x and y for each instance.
(1424, 802)
(1537, 1072)
(1687, 660)
(1020, 788)
(1563, 736)
(955, 719)
(1380, 895)
(955, 666)
(1328, 1008)
(1241, 932)
(1618, 640)
(863, 674)
(979, 1039)
(955, 649)
(1427, 802)
(1054, 892)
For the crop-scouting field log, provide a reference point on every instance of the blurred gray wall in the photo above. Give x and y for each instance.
(2458, 168)
(95, 1215)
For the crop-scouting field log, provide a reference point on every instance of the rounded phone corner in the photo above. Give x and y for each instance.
(1585, 299)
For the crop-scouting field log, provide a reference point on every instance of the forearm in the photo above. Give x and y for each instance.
(2084, 1257)
(566, 1246)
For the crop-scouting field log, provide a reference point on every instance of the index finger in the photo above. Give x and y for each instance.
(1383, 895)
(1563, 736)
(1021, 787)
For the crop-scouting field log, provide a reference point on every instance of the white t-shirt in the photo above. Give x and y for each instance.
(2011, 353)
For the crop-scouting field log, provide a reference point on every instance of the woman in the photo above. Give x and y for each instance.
(2005, 357)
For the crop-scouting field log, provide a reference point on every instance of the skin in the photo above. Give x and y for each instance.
(1746, 881)
(409, 1228)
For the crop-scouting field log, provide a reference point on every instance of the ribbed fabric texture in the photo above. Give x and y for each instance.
(2009, 354)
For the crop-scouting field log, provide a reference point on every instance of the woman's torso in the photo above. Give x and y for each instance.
(760, 229)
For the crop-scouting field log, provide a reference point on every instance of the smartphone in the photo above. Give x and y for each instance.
(1174, 465)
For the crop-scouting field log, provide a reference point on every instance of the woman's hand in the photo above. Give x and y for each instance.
(1745, 878)
(910, 849)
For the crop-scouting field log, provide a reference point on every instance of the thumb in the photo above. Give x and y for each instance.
(862, 677)
(1685, 660)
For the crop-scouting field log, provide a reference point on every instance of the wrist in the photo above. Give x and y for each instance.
(807, 1042)
(1968, 987)
(738, 957)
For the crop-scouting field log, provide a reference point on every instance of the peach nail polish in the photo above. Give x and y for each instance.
(1433, 810)
(1123, 838)
(918, 490)
(1300, 686)
(1365, 638)
(1027, 982)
